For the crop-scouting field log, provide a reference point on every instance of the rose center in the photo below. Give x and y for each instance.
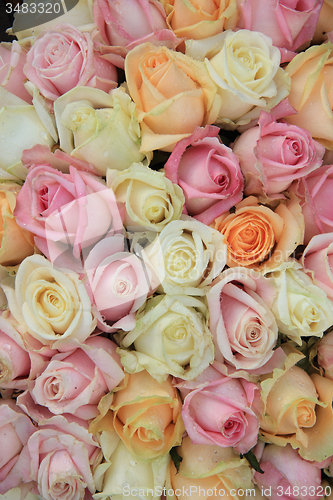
(123, 287)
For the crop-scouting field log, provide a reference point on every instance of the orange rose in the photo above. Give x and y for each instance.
(311, 92)
(200, 19)
(147, 416)
(173, 94)
(258, 237)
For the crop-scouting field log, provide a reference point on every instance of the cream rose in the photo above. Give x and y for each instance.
(171, 337)
(301, 308)
(246, 68)
(150, 198)
(52, 304)
(99, 128)
(186, 256)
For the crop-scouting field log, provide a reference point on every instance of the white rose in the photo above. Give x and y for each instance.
(186, 256)
(53, 304)
(246, 68)
(171, 336)
(99, 128)
(301, 308)
(20, 128)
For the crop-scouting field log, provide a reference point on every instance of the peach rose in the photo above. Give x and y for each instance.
(147, 416)
(173, 94)
(325, 22)
(207, 467)
(16, 243)
(258, 237)
(197, 20)
(311, 93)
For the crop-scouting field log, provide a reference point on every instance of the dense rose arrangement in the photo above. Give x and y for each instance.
(166, 252)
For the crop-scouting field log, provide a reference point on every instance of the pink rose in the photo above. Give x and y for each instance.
(315, 193)
(66, 212)
(318, 259)
(272, 155)
(125, 25)
(288, 23)
(18, 362)
(62, 456)
(288, 475)
(74, 382)
(208, 173)
(220, 410)
(325, 354)
(118, 283)
(15, 430)
(63, 58)
(12, 60)
(243, 327)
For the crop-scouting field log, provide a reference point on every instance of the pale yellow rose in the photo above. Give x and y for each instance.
(99, 128)
(15, 243)
(173, 94)
(311, 92)
(147, 416)
(301, 308)
(186, 256)
(200, 19)
(245, 66)
(121, 475)
(21, 128)
(171, 336)
(150, 198)
(52, 304)
(208, 467)
(259, 237)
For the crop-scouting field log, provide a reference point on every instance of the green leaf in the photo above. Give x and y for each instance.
(252, 459)
(177, 459)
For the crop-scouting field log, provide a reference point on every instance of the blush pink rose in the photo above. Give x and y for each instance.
(208, 173)
(289, 23)
(118, 283)
(19, 364)
(318, 259)
(325, 354)
(126, 24)
(63, 58)
(272, 155)
(221, 410)
(287, 475)
(15, 430)
(315, 194)
(243, 327)
(66, 212)
(74, 382)
(62, 456)
(12, 60)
